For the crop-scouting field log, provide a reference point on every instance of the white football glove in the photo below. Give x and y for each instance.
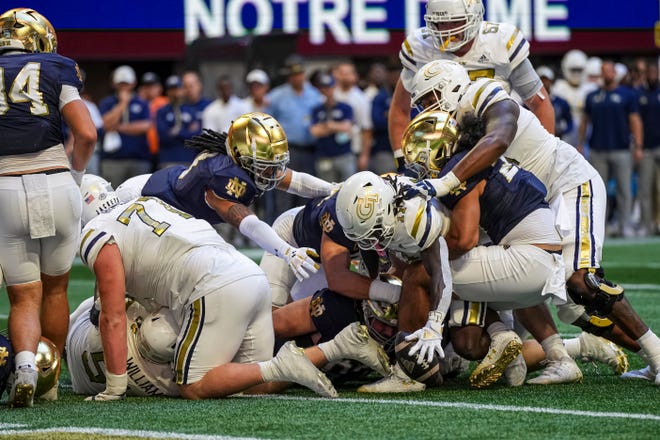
(429, 338)
(104, 397)
(300, 261)
(115, 388)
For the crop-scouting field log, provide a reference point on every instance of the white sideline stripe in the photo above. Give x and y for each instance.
(641, 286)
(621, 265)
(11, 425)
(122, 433)
(475, 406)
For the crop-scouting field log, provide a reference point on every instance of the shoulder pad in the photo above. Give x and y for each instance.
(480, 95)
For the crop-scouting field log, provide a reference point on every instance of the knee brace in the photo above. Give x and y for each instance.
(586, 324)
(601, 298)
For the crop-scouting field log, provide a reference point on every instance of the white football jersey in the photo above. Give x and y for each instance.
(497, 50)
(419, 223)
(555, 163)
(85, 357)
(155, 241)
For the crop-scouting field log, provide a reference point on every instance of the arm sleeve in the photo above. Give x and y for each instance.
(262, 234)
(306, 185)
(68, 94)
(524, 80)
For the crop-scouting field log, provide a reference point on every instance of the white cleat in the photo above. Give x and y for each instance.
(504, 348)
(355, 343)
(597, 349)
(643, 374)
(293, 366)
(516, 372)
(396, 382)
(23, 388)
(564, 370)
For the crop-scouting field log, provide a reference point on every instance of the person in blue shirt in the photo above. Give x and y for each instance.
(381, 158)
(332, 125)
(175, 122)
(613, 112)
(291, 104)
(649, 166)
(126, 121)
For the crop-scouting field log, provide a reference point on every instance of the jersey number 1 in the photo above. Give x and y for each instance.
(25, 88)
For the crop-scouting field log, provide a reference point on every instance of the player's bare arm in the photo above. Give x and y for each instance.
(110, 277)
(336, 260)
(463, 233)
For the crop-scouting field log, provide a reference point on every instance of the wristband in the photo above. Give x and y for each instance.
(77, 175)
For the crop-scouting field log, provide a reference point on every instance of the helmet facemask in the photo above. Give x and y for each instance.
(453, 24)
(429, 141)
(257, 143)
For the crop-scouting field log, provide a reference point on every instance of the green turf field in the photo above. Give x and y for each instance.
(601, 407)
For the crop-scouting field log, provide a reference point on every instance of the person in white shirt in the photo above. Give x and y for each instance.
(220, 113)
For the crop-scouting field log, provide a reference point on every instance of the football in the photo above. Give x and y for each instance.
(420, 370)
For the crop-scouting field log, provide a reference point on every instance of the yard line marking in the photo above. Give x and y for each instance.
(11, 425)
(475, 406)
(123, 433)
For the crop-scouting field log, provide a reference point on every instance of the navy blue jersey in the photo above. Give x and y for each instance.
(30, 118)
(511, 194)
(184, 188)
(319, 216)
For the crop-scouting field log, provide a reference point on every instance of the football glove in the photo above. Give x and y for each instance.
(429, 338)
(301, 262)
(422, 188)
(104, 397)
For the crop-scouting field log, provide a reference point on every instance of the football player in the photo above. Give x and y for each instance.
(226, 178)
(575, 191)
(39, 221)
(150, 342)
(455, 30)
(414, 230)
(316, 226)
(168, 258)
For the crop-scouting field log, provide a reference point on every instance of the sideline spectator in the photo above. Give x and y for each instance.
(332, 124)
(613, 112)
(649, 167)
(151, 90)
(347, 91)
(563, 118)
(258, 85)
(381, 158)
(227, 107)
(173, 122)
(126, 122)
(291, 104)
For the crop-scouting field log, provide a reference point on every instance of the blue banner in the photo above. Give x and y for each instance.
(380, 14)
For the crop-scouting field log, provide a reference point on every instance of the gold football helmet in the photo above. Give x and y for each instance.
(257, 143)
(428, 143)
(27, 30)
(48, 366)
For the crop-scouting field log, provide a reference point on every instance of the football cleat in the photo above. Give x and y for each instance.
(596, 349)
(396, 382)
(293, 366)
(645, 373)
(23, 388)
(504, 348)
(516, 372)
(355, 343)
(564, 370)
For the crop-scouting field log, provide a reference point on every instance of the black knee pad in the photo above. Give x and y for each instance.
(586, 324)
